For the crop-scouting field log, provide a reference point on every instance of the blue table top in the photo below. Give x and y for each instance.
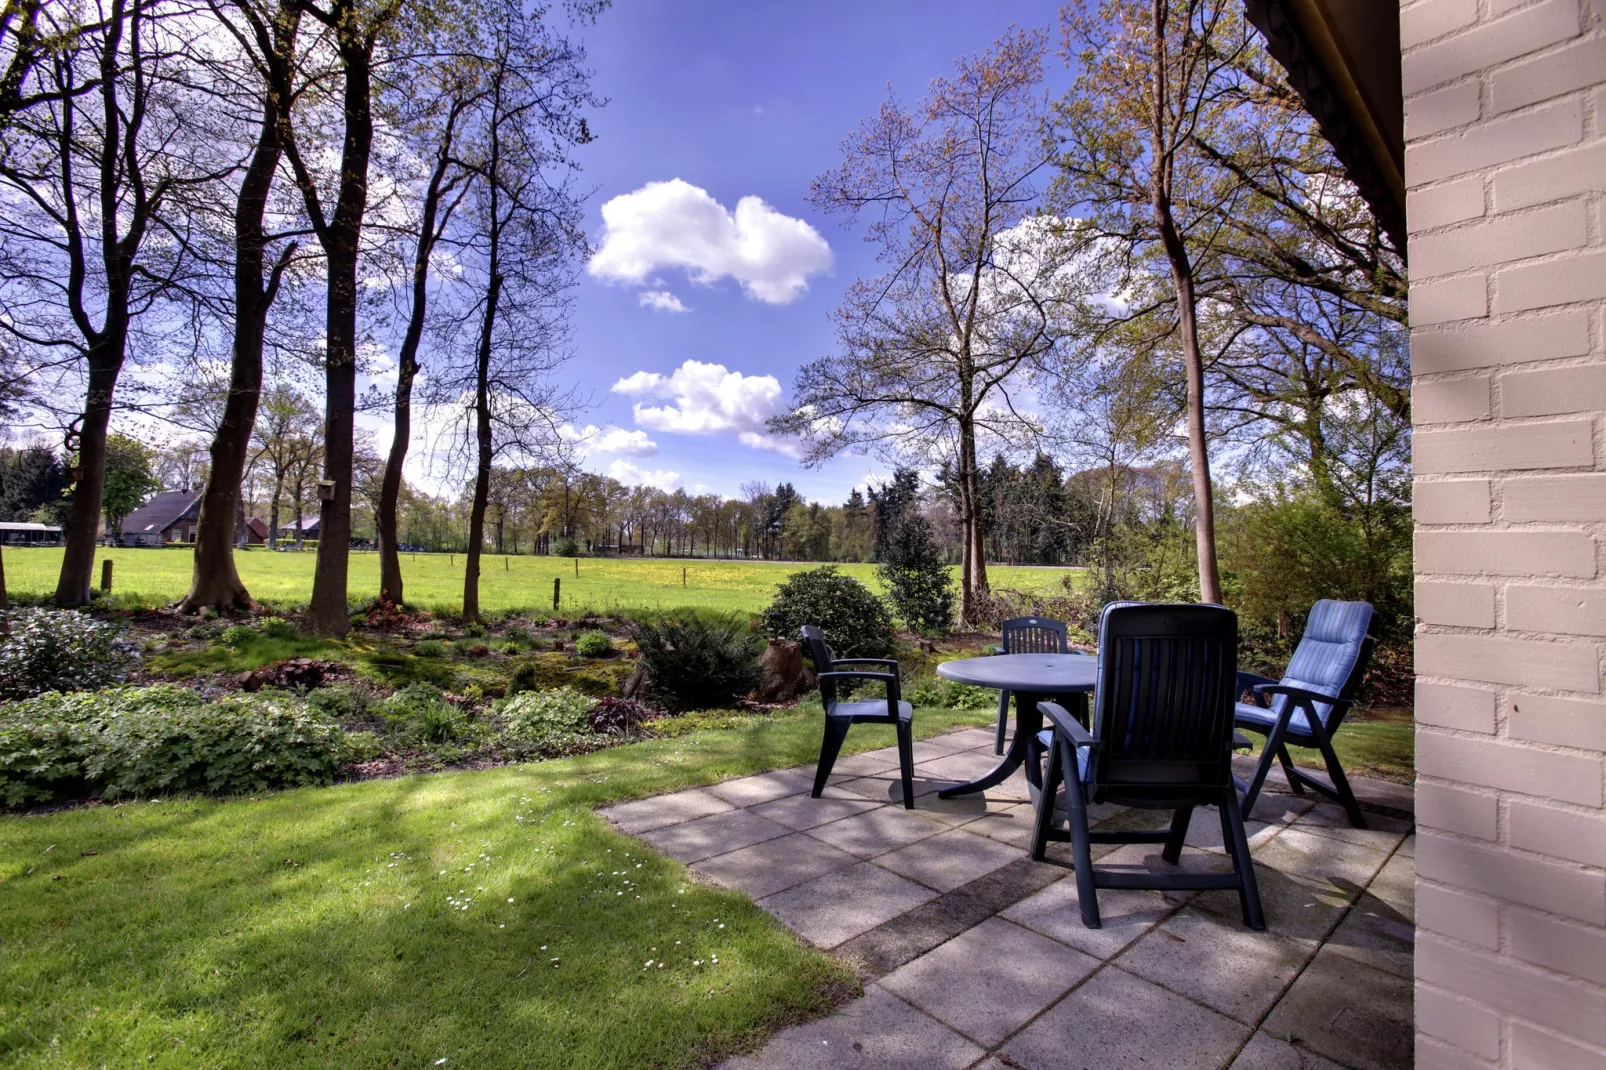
(1038, 673)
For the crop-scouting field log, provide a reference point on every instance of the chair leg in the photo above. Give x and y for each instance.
(1003, 721)
(1081, 845)
(1340, 782)
(1232, 828)
(1274, 743)
(1288, 770)
(1052, 776)
(1179, 833)
(836, 730)
(906, 762)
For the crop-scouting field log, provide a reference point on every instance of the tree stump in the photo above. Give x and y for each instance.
(782, 676)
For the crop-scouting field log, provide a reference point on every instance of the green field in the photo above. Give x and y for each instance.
(435, 581)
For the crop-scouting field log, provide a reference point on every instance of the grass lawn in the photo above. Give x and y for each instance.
(435, 581)
(481, 918)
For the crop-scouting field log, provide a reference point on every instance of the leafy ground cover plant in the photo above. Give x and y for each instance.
(619, 716)
(421, 713)
(692, 662)
(62, 650)
(855, 622)
(547, 723)
(594, 644)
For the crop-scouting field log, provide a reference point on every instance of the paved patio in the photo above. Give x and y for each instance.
(972, 955)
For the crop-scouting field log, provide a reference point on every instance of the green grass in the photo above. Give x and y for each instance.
(317, 927)
(146, 577)
(1384, 748)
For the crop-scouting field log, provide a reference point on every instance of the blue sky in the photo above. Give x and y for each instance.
(734, 100)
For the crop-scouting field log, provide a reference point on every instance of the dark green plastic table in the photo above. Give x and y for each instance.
(1032, 678)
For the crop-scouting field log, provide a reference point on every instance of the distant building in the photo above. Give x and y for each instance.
(309, 528)
(256, 532)
(28, 534)
(170, 517)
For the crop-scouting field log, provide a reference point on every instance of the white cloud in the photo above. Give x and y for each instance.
(661, 301)
(633, 476)
(675, 224)
(639, 383)
(710, 399)
(624, 443)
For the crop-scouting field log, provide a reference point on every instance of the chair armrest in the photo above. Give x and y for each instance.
(1248, 681)
(890, 663)
(894, 691)
(1298, 694)
(1064, 722)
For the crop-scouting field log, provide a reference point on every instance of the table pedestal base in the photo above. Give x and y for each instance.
(1028, 722)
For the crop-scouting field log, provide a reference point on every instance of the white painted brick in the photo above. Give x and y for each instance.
(1559, 945)
(1451, 501)
(1531, 1047)
(1562, 281)
(1453, 349)
(1554, 391)
(1431, 1053)
(1567, 498)
(1500, 240)
(1448, 401)
(1470, 709)
(1577, 66)
(1462, 605)
(1560, 889)
(1451, 809)
(1471, 918)
(1510, 767)
(1565, 722)
(1525, 662)
(1505, 553)
(1459, 1022)
(1498, 141)
(1448, 300)
(1561, 444)
(1565, 610)
(1494, 42)
(1565, 174)
(1446, 203)
(1424, 22)
(1550, 830)
(1441, 110)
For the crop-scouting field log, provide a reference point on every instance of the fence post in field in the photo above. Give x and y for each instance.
(557, 588)
(577, 568)
(5, 609)
(683, 575)
(106, 576)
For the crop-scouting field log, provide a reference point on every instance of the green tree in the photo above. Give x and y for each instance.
(916, 577)
(130, 479)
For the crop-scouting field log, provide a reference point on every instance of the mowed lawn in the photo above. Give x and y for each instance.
(435, 581)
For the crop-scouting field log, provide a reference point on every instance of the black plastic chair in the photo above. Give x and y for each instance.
(1162, 739)
(1026, 635)
(841, 714)
(1316, 691)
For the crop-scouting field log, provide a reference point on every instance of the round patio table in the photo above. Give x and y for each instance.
(1031, 678)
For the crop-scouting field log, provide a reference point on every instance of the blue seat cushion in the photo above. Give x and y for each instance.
(1258, 720)
(866, 708)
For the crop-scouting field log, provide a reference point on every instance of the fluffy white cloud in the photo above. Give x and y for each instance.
(633, 476)
(710, 399)
(661, 300)
(624, 443)
(675, 224)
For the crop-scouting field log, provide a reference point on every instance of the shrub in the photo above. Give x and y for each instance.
(61, 650)
(236, 636)
(935, 691)
(526, 677)
(854, 620)
(594, 644)
(694, 663)
(276, 628)
(342, 702)
(619, 716)
(916, 577)
(41, 761)
(203, 630)
(476, 650)
(516, 634)
(421, 712)
(563, 546)
(547, 723)
(429, 648)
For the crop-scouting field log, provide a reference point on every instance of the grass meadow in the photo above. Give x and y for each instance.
(154, 577)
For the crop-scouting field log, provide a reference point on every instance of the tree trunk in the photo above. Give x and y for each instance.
(482, 436)
(83, 515)
(273, 514)
(973, 550)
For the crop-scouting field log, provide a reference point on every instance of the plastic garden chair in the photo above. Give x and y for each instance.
(1026, 635)
(842, 714)
(1162, 739)
(1316, 691)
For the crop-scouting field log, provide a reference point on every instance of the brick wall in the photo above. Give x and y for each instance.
(1506, 168)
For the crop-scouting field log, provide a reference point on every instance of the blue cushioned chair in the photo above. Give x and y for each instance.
(1162, 739)
(1308, 704)
(840, 715)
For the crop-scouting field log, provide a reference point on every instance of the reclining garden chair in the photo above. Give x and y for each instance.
(841, 714)
(1026, 635)
(1313, 696)
(1162, 739)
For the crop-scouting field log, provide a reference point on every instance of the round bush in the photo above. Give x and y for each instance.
(236, 636)
(695, 663)
(547, 723)
(277, 628)
(563, 546)
(855, 622)
(594, 644)
(61, 650)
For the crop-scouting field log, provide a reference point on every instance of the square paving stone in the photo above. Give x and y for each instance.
(763, 788)
(839, 906)
(1227, 967)
(957, 768)
(1382, 832)
(803, 812)
(1349, 866)
(949, 859)
(1380, 929)
(888, 787)
(867, 763)
(990, 980)
(1011, 824)
(960, 810)
(948, 742)
(774, 865)
(970, 738)
(1280, 809)
(1349, 1012)
(875, 832)
(1204, 831)
(1264, 1052)
(1124, 914)
(644, 815)
(1119, 1020)
(715, 835)
(1302, 907)
(878, 1032)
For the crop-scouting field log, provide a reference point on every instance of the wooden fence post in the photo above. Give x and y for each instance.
(557, 589)
(5, 608)
(106, 576)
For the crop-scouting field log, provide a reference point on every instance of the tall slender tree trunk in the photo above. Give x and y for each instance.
(973, 550)
(482, 443)
(83, 515)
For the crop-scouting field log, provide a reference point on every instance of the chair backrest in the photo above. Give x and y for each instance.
(1165, 701)
(1034, 635)
(1333, 653)
(820, 655)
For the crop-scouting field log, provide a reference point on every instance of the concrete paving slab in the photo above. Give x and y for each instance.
(875, 832)
(947, 860)
(990, 980)
(961, 810)
(1226, 966)
(693, 841)
(955, 768)
(763, 788)
(1125, 914)
(1204, 831)
(1118, 1020)
(802, 812)
(949, 742)
(1280, 809)
(1265, 1052)
(1380, 929)
(839, 906)
(1309, 854)
(877, 1032)
(1408, 846)
(866, 763)
(774, 865)
(1303, 907)
(888, 787)
(969, 738)
(644, 815)
(1382, 833)
(1349, 1012)
(1011, 824)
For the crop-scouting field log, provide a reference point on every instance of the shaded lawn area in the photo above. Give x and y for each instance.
(484, 918)
(1373, 743)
